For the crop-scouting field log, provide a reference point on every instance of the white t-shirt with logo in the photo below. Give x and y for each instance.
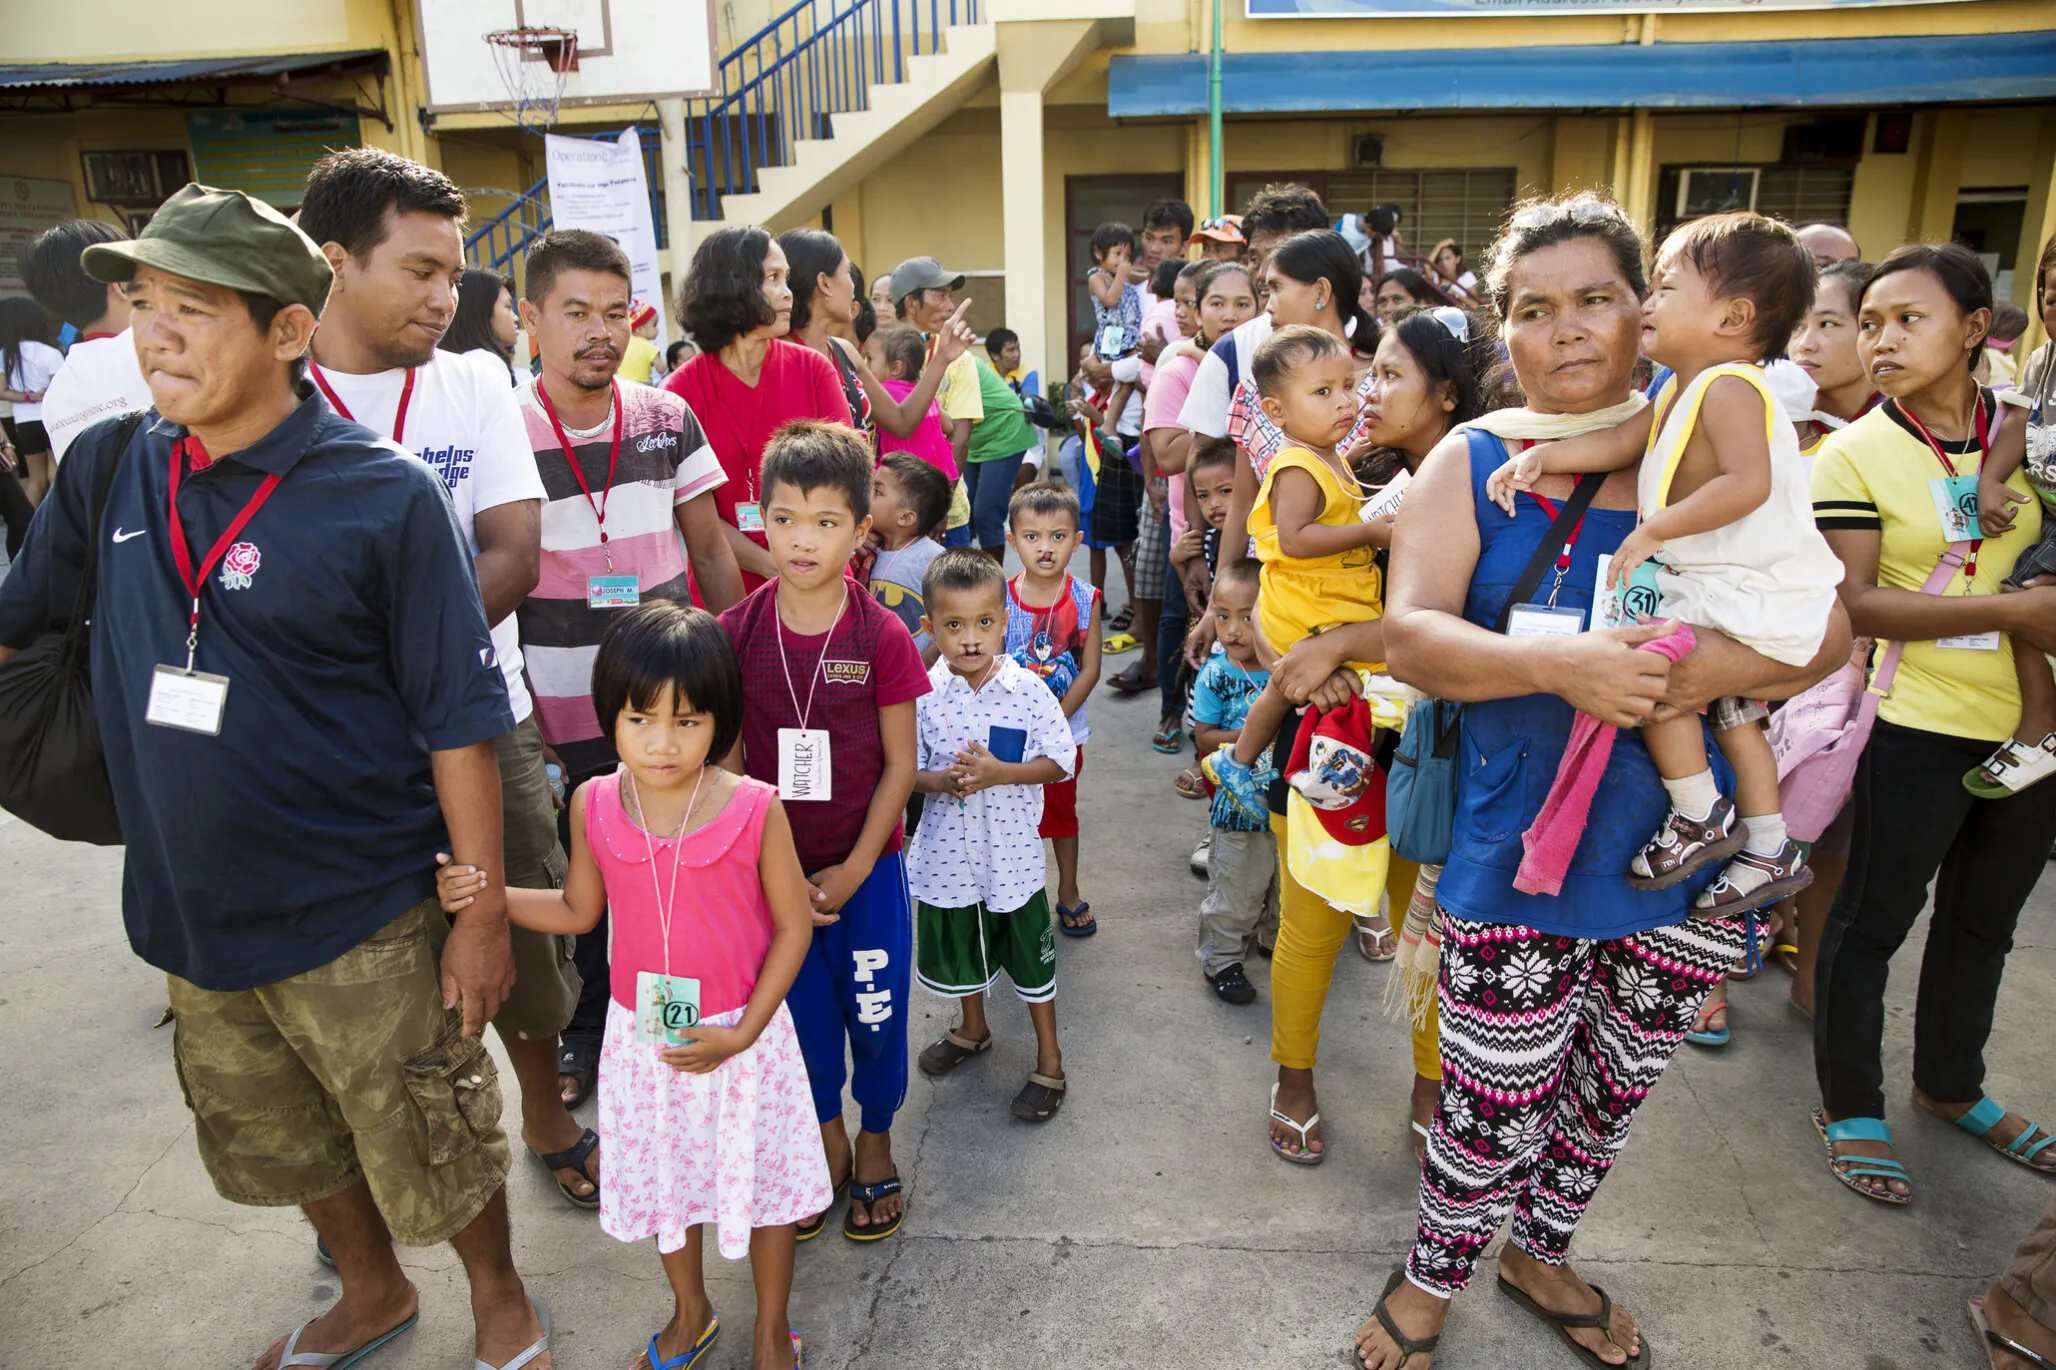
(100, 378)
(464, 421)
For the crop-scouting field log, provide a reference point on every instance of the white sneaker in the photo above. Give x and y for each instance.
(1202, 856)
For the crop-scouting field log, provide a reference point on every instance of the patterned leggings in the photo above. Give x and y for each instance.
(1549, 1044)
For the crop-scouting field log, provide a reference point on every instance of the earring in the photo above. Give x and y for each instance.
(1320, 304)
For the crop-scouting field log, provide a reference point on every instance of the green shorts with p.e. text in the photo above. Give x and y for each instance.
(962, 951)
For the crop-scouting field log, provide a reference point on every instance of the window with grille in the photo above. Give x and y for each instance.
(1468, 205)
(1801, 193)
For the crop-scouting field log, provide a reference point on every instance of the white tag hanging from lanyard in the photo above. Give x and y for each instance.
(805, 766)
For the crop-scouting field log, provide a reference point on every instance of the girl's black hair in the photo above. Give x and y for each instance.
(905, 348)
(1109, 236)
(478, 293)
(1164, 280)
(22, 320)
(723, 294)
(662, 642)
(811, 254)
(1962, 276)
(866, 322)
(1322, 254)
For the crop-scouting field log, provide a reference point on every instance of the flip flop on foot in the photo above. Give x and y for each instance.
(1375, 939)
(1189, 784)
(340, 1360)
(1566, 1323)
(1303, 1153)
(1408, 1347)
(873, 1228)
(1040, 1098)
(1077, 921)
(692, 1355)
(812, 1227)
(530, 1353)
(1997, 1343)
(578, 1068)
(1131, 681)
(1704, 1033)
(1117, 644)
(573, 1158)
(1120, 621)
(1169, 739)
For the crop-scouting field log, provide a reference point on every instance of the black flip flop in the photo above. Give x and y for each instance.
(1602, 1321)
(812, 1228)
(573, 1157)
(869, 1195)
(1409, 1347)
(582, 1063)
(1131, 681)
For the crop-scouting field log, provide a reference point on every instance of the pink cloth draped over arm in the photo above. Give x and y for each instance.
(1552, 839)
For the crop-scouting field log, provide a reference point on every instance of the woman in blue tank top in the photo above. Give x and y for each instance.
(1558, 1013)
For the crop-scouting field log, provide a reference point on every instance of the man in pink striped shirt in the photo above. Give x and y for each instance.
(628, 482)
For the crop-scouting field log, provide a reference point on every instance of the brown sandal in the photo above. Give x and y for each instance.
(952, 1050)
(1040, 1098)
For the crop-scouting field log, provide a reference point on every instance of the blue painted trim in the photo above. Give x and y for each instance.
(1825, 71)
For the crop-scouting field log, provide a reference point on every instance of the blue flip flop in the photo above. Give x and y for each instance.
(1862, 1130)
(1710, 1036)
(294, 1359)
(1987, 1113)
(692, 1356)
(1071, 929)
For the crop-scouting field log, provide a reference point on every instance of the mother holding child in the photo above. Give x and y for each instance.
(1560, 1008)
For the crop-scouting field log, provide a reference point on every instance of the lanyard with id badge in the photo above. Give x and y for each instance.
(666, 1005)
(804, 767)
(1955, 499)
(607, 591)
(181, 697)
(1522, 618)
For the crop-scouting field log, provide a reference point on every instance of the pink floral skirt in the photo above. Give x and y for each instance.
(738, 1147)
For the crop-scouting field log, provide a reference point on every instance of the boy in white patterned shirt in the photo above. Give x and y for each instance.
(991, 735)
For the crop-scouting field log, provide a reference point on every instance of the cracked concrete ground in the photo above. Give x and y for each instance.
(1148, 1225)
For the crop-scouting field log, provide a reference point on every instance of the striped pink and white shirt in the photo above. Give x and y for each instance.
(664, 461)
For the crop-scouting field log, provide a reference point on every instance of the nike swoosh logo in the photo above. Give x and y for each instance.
(120, 536)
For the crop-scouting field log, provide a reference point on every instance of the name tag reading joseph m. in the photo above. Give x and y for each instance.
(191, 701)
(666, 1008)
(803, 764)
(612, 592)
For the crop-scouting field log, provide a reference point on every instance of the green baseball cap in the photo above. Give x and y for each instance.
(224, 238)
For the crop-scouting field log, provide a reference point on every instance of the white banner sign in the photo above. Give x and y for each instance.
(600, 186)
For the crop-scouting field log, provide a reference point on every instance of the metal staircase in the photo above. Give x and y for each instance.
(780, 88)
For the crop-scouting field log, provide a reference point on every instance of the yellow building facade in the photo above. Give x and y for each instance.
(1904, 122)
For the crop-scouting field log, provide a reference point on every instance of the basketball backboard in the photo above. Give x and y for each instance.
(628, 50)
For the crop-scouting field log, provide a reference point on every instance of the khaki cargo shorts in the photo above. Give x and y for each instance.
(546, 983)
(351, 1070)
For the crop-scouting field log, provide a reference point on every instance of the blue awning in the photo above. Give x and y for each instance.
(1824, 71)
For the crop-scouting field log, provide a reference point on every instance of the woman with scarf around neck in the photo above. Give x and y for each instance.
(1922, 323)
(1554, 1001)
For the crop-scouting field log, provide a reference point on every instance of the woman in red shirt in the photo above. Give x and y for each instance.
(747, 381)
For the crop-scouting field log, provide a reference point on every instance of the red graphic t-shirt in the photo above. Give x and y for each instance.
(867, 662)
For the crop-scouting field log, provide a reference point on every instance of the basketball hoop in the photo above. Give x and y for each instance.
(534, 64)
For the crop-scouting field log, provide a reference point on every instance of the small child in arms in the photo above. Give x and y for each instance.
(2030, 754)
(1727, 517)
(703, 1090)
(991, 737)
(1318, 568)
(1116, 305)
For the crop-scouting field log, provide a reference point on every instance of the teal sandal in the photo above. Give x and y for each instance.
(1987, 1113)
(339, 1360)
(1848, 1168)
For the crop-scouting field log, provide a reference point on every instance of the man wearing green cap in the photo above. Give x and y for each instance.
(297, 695)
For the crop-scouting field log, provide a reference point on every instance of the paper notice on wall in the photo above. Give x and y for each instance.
(1385, 498)
(600, 185)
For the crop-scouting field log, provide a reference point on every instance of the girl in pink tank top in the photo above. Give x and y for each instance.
(705, 1111)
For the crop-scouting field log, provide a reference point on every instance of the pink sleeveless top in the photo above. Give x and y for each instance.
(720, 921)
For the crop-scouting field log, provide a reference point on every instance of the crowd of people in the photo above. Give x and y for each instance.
(1471, 597)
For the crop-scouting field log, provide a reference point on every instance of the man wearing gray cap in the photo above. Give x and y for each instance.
(297, 695)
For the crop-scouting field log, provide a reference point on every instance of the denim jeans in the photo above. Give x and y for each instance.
(989, 485)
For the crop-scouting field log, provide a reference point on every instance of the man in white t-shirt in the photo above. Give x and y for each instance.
(392, 229)
(100, 376)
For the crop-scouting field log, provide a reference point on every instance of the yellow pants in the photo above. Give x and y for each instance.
(1310, 934)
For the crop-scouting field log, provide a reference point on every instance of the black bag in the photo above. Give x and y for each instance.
(53, 773)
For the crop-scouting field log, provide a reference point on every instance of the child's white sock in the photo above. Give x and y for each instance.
(1694, 795)
(1766, 834)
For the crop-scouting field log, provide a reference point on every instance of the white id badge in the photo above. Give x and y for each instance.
(749, 517)
(803, 770)
(1975, 642)
(1540, 620)
(612, 592)
(191, 701)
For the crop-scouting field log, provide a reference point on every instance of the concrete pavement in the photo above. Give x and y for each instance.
(1148, 1225)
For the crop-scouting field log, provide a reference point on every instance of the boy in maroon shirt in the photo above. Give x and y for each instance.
(830, 676)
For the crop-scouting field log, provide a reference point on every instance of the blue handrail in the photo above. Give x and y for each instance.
(786, 82)
(501, 240)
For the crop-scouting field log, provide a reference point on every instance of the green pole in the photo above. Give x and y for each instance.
(1213, 117)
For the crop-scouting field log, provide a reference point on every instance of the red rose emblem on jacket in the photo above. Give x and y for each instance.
(239, 565)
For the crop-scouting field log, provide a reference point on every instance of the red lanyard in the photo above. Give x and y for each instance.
(1949, 469)
(599, 506)
(399, 415)
(1563, 558)
(182, 553)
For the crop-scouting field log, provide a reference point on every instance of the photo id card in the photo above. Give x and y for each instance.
(749, 517)
(666, 1007)
(1956, 504)
(612, 592)
(1618, 609)
(1540, 620)
(803, 764)
(191, 701)
(1973, 642)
